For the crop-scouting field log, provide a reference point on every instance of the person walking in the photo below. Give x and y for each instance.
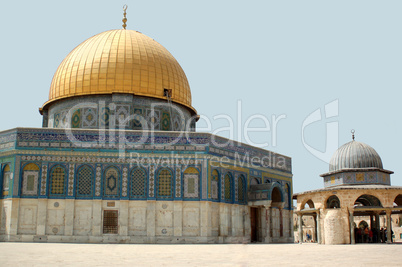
(370, 236)
(359, 235)
(366, 235)
(375, 235)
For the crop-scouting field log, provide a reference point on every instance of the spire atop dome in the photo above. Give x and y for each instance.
(353, 134)
(124, 19)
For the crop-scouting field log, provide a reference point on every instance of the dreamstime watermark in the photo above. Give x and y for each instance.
(115, 132)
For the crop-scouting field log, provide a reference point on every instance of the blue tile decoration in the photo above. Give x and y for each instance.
(86, 162)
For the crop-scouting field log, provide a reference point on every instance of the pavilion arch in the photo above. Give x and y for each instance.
(309, 203)
(367, 201)
(398, 200)
(333, 202)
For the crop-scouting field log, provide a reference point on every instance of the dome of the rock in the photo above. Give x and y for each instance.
(120, 61)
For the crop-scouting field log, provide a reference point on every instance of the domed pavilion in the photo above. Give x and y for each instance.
(356, 186)
(118, 160)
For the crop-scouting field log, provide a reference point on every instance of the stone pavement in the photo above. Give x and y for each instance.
(50, 254)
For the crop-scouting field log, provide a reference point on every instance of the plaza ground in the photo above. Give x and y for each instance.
(50, 254)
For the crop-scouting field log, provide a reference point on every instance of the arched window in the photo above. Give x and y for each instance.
(85, 181)
(6, 179)
(254, 181)
(138, 183)
(333, 202)
(165, 184)
(57, 181)
(215, 185)
(112, 182)
(30, 177)
(228, 188)
(191, 179)
(241, 189)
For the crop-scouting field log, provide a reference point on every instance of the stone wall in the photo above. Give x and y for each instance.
(334, 223)
(68, 220)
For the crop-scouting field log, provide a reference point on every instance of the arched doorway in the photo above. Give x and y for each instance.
(367, 210)
(307, 223)
(276, 212)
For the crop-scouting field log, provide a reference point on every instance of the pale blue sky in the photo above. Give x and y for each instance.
(277, 57)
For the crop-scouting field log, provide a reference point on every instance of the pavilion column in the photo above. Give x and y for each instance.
(315, 237)
(299, 222)
(318, 225)
(388, 212)
(290, 220)
(268, 224)
(281, 222)
(371, 221)
(352, 229)
(377, 224)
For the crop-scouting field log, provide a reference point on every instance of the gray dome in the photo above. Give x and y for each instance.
(354, 155)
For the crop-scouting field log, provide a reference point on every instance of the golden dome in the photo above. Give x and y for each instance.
(120, 61)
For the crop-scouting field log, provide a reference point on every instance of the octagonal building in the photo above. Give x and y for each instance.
(356, 187)
(118, 160)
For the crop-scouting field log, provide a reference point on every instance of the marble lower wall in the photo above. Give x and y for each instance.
(69, 220)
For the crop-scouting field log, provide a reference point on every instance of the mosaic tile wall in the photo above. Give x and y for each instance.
(53, 184)
(95, 170)
(362, 177)
(119, 111)
(56, 139)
